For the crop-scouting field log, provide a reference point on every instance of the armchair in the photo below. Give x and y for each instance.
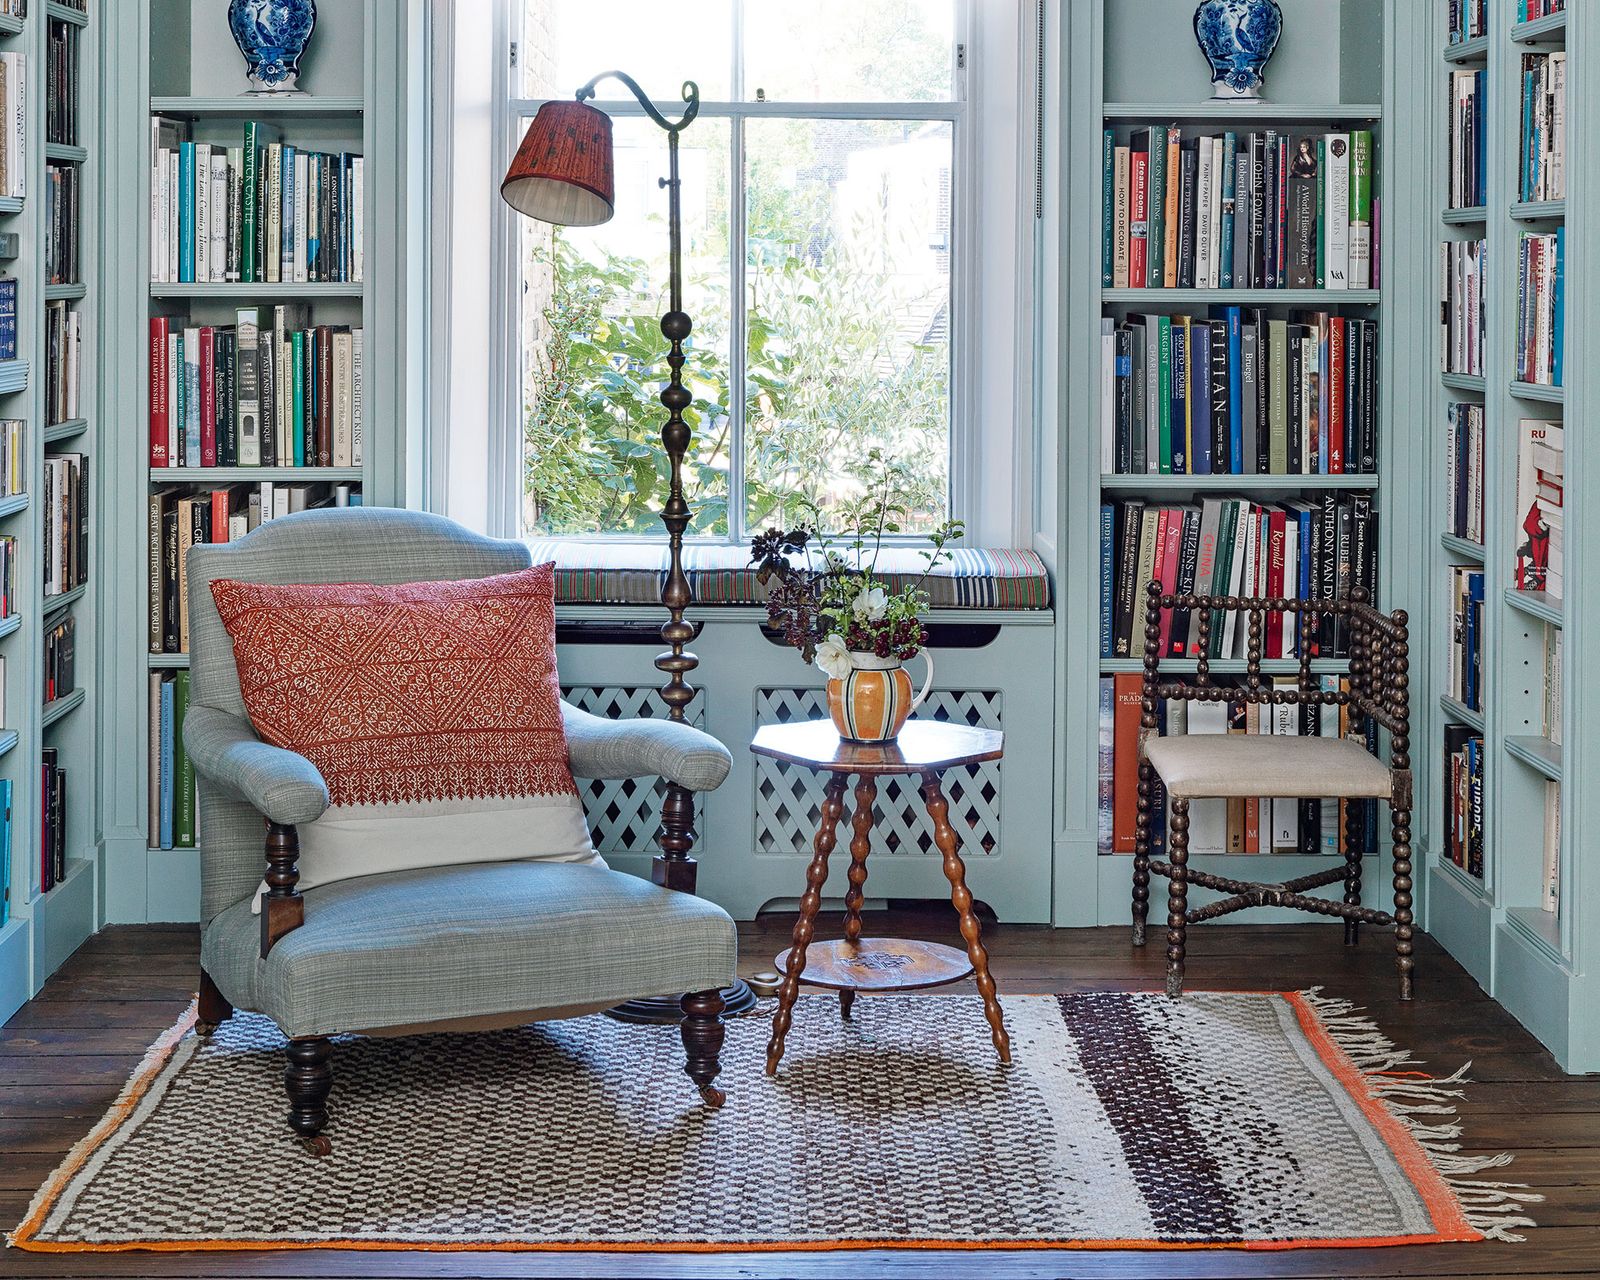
(463, 947)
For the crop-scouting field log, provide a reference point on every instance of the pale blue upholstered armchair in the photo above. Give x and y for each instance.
(464, 947)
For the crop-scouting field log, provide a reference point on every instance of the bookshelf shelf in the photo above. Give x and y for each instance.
(66, 13)
(1536, 604)
(1228, 666)
(15, 503)
(1461, 547)
(265, 292)
(1262, 113)
(1255, 483)
(1539, 391)
(1244, 297)
(1538, 753)
(236, 475)
(63, 706)
(11, 625)
(1465, 382)
(13, 377)
(64, 431)
(11, 204)
(1474, 50)
(65, 152)
(54, 604)
(8, 740)
(65, 292)
(1551, 29)
(1461, 713)
(247, 108)
(10, 26)
(169, 662)
(1465, 217)
(1540, 927)
(1539, 210)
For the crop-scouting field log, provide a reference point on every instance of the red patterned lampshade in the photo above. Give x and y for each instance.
(562, 171)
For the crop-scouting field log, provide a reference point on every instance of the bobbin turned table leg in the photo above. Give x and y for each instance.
(805, 923)
(944, 836)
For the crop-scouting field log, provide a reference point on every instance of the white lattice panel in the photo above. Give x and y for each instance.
(624, 813)
(789, 798)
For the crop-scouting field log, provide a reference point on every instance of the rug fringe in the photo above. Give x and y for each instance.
(1494, 1208)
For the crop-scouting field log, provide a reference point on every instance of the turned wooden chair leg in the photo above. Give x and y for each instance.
(1141, 853)
(1177, 895)
(308, 1079)
(702, 1030)
(1400, 825)
(213, 1007)
(1355, 842)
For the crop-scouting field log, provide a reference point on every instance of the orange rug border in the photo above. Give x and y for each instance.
(1450, 1224)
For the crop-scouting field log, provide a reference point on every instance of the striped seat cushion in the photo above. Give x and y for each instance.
(632, 573)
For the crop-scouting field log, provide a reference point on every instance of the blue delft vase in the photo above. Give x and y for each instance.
(272, 34)
(1237, 37)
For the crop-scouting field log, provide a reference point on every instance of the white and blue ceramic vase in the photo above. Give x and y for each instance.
(272, 35)
(1237, 37)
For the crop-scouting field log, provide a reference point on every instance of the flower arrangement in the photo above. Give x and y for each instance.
(834, 602)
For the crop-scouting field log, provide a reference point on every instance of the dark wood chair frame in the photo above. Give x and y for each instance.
(1379, 688)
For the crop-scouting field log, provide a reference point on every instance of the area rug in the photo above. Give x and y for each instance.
(1127, 1121)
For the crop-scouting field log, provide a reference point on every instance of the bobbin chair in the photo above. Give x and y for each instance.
(1208, 766)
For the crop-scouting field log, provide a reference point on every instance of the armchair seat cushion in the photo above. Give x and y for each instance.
(469, 940)
(1246, 764)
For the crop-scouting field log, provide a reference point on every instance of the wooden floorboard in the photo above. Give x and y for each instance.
(64, 1056)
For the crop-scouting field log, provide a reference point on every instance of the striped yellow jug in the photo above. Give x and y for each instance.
(873, 701)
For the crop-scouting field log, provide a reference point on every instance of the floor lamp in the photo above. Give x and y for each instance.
(563, 174)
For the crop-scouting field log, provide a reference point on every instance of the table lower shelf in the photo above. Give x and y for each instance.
(880, 964)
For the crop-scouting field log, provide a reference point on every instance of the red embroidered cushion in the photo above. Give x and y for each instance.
(431, 709)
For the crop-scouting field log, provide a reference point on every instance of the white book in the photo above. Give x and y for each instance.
(1202, 215)
(1230, 619)
(340, 389)
(1556, 168)
(16, 107)
(202, 211)
(268, 506)
(358, 206)
(1336, 209)
(1289, 624)
(219, 215)
(1552, 847)
(1284, 811)
(302, 181)
(1218, 178)
(281, 500)
(1108, 395)
(356, 394)
(1250, 519)
(172, 215)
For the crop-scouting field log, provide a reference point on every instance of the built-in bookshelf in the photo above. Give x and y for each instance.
(1515, 907)
(51, 517)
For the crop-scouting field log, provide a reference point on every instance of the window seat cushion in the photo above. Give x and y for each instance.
(632, 573)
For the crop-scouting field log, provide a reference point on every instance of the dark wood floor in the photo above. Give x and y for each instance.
(64, 1056)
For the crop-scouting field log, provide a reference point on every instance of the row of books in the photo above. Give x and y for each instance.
(63, 196)
(1468, 19)
(1468, 138)
(1307, 549)
(1543, 174)
(1263, 210)
(13, 124)
(1528, 10)
(289, 395)
(60, 659)
(52, 820)
(260, 212)
(177, 521)
(1239, 394)
(1541, 484)
(65, 539)
(174, 807)
(63, 361)
(1463, 798)
(13, 457)
(1463, 451)
(1244, 825)
(8, 316)
(9, 601)
(1464, 678)
(1541, 304)
(1461, 310)
(61, 83)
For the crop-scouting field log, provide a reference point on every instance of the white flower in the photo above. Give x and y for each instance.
(833, 657)
(868, 606)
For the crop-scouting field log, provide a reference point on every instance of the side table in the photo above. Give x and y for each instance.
(925, 748)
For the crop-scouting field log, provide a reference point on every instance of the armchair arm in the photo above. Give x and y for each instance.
(601, 748)
(283, 787)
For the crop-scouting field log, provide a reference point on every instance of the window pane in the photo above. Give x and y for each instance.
(848, 292)
(594, 358)
(567, 42)
(850, 50)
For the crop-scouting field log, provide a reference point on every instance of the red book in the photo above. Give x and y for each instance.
(158, 392)
(1273, 524)
(1336, 395)
(208, 396)
(1128, 699)
(1138, 218)
(219, 515)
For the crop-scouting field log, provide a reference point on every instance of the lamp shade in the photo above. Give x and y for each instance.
(562, 171)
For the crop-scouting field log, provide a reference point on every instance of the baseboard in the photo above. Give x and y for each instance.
(63, 919)
(16, 948)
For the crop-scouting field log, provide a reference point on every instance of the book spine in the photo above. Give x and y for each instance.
(1108, 146)
(1230, 148)
(1359, 245)
(1138, 216)
(1337, 203)
(1108, 514)
(207, 368)
(249, 268)
(158, 391)
(183, 795)
(1156, 231)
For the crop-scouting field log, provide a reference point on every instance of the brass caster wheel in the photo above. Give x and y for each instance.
(318, 1146)
(713, 1096)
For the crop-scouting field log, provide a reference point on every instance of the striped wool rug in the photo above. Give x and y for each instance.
(1128, 1121)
